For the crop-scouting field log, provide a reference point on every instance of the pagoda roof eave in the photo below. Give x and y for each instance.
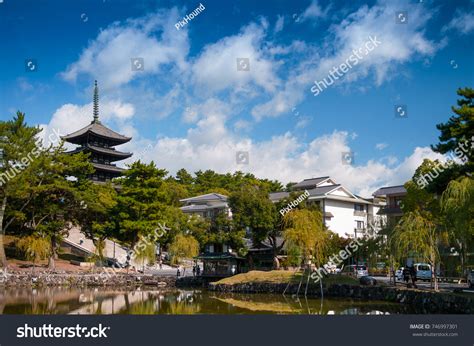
(99, 130)
(107, 151)
(108, 168)
(115, 155)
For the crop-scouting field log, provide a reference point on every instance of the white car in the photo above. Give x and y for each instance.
(351, 270)
(423, 271)
(399, 273)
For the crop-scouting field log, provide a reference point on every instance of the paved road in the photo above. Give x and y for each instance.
(449, 286)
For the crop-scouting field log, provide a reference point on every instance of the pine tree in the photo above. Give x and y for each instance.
(18, 147)
(457, 138)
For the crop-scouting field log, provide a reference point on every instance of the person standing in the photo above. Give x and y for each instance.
(413, 275)
(406, 274)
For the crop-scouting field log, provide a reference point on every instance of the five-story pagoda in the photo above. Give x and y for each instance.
(99, 141)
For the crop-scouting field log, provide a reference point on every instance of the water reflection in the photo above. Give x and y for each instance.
(99, 301)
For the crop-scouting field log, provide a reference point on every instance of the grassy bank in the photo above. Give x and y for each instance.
(282, 276)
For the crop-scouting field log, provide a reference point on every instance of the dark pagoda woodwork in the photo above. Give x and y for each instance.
(99, 141)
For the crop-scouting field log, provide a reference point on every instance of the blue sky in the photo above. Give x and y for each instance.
(190, 106)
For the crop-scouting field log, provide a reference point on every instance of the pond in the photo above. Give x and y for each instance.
(99, 301)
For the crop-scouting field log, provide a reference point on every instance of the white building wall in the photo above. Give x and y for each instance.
(343, 221)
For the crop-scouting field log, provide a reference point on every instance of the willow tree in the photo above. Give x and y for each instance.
(34, 248)
(457, 201)
(304, 229)
(144, 251)
(183, 246)
(417, 233)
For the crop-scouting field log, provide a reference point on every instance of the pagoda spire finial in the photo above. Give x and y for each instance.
(96, 103)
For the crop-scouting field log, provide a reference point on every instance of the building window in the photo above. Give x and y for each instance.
(359, 207)
(360, 224)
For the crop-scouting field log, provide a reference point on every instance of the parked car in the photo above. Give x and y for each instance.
(470, 278)
(399, 273)
(355, 270)
(423, 271)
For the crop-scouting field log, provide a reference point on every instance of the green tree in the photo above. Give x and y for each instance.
(34, 248)
(144, 202)
(183, 246)
(457, 201)
(144, 251)
(416, 233)
(94, 214)
(456, 136)
(18, 147)
(184, 178)
(305, 230)
(50, 198)
(252, 210)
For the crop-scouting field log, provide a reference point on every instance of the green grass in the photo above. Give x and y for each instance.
(282, 276)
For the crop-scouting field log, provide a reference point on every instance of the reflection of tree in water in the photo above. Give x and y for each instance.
(262, 303)
(171, 302)
(181, 303)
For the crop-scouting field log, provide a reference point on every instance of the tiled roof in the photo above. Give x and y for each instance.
(322, 190)
(390, 190)
(109, 168)
(310, 182)
(98, 129)
(202, 207)
(195, 207)
(206, 197)
(109, 151)
(318, 191)
(102, 150)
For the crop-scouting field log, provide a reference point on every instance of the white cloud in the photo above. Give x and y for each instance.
(209, 145)
(70, 117)
(216, 67)
(400, 44)
(381, 146)
(462, 22)
(302, 122)
(242, 125)
(279, 24)
(153, 38)
(314, 11)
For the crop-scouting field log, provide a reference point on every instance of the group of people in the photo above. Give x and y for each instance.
(180, 271)
(409, 273)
